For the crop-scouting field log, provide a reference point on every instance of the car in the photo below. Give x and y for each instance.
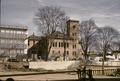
(117, 73)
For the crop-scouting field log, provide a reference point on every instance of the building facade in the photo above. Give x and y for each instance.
(13, 40)
(62, 47)
(33, 47)
(72, 49)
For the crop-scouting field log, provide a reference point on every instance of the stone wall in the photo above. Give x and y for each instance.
(54, 65)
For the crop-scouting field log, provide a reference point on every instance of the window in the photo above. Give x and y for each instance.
(74, 53)
(10, 31)
(67, 52)
(2, 41)
(28, 43)
(22, 51)
(3, 31)
(75, 34)
(59, 44)
(22, 32)
(74, 26)
(18, 32)
(62, 44)
(67, 45)
(72, 34)
(53, 52)
(55, 44)
(14, 31)
(7, 31)
(74, 46)
(18, 51)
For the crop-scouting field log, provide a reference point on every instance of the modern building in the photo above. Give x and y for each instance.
(61, 47)
(13, 40)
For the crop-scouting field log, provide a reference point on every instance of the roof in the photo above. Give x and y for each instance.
(55, 35)
(72, 20)
(13, 27)
(58, 34)
(34, 37)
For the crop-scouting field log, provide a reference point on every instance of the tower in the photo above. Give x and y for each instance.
(72, 27)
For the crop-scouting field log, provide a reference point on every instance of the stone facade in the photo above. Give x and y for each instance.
(65, 47)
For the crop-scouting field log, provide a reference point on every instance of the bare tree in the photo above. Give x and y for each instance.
(105, 37)
(116, 44)
(49, 19)
(86, 32)
(63, 30)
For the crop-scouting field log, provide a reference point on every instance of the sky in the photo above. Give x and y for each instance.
(22, 12)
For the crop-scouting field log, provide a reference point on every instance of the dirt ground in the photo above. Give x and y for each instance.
(43, 77)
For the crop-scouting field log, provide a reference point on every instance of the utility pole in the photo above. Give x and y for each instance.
(0, 12)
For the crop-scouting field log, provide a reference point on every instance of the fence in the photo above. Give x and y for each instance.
(106, 72)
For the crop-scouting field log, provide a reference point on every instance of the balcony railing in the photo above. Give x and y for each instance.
(13, 46)
(14, 36)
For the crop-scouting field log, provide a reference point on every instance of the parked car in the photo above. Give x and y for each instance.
(117, 73)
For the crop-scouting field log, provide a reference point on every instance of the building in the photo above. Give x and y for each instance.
(61, 47)
(13, 40)
(33, 46)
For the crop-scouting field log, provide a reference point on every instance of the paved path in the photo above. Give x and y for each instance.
(44, 77)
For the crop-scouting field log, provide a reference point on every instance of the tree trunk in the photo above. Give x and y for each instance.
(103, 63)
(104, 58)
(46, 49)
(85, 66)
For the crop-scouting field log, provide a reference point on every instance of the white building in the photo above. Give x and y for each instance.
(13, 40)
(111, 61)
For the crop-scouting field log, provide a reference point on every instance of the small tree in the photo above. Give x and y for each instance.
(86, 32)
(49, 19)
(105, 37)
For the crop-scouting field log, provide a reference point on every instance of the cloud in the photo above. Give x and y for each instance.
(19, 12)
(105, 12)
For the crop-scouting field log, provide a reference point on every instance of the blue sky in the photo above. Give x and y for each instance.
(22, 12)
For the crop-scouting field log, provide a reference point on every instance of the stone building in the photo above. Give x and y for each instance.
(62, 47)
(33, 46)
(13, 40)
